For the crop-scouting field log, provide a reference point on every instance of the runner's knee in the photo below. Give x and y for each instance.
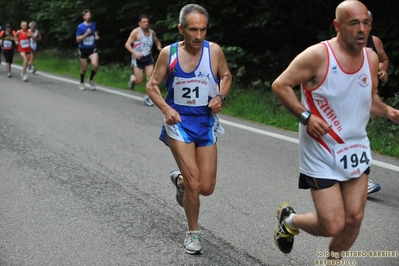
(138, 79)
(207, 189)
(354, 220)
(192, 186)
(332, 226)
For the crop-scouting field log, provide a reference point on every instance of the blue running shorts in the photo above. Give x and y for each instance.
(200, 129)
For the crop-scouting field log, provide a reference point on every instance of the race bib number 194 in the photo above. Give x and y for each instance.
(352, 159)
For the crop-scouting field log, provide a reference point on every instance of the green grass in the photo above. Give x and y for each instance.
(259, 106)
(256, 105)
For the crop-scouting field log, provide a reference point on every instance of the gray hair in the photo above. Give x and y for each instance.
(190, 8)
(32, 23)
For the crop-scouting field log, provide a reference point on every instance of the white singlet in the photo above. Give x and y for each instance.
(33, 43)
(344, 101)
(144, 44)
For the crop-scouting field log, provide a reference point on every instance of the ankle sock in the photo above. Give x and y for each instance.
(288, 222)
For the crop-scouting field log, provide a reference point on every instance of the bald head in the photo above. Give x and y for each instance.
(346, 9)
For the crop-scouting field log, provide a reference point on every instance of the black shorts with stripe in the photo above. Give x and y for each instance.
(306, 182)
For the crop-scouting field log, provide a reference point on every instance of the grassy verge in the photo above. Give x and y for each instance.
(256, 105)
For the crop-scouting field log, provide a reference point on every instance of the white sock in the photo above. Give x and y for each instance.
(288, 222)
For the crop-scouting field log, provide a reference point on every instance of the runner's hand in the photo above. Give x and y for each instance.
(172, 117)
(317, 127)
(138, 56)
(215, 104)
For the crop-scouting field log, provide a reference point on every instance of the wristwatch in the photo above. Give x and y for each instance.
(304, 117)
(222, 97)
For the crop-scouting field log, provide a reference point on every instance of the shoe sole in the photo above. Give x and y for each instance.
(179, 196)
(197, 252)
(376, 189)
(179, 192)
(276, 242)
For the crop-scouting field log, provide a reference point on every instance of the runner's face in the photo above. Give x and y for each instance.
(195, 32)
(32, 26)
(144, 23)
(24, 26)
(87, 17)
(355, 29)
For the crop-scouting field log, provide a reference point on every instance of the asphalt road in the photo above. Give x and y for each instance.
(84, 181)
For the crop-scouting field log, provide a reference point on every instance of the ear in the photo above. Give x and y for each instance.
(180, 29)
(336, 25)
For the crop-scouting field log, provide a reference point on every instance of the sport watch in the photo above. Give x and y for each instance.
(222, 97)
(304, 117)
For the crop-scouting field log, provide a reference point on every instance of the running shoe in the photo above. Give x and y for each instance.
(283, 236)
(131, 82)
(34, 70)
(92, 85)
(147, 101)
(174, 177)
(82, 86)
(24, 77)
(9, 74)
(192, 243)
(373, 187)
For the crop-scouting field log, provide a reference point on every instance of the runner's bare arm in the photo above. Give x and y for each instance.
(16, 37)
(158, 76)
(156, 41)
(130, 40)
(306, 68)
(84, 35)
(39, 36)
(223, 72)
(303, 69)
(378, 107)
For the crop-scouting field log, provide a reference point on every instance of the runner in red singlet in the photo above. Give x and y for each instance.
(22, 39)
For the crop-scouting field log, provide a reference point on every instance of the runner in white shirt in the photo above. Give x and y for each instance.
(139, 44)
(339, 90)
(36, 37)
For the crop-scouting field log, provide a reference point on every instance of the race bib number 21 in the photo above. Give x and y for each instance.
(191, 91)
(352, 159)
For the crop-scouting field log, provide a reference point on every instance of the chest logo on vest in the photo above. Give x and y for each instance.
(203, 75)
(364, 80)
(334, 69)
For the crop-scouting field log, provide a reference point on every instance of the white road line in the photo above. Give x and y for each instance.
(223, 121)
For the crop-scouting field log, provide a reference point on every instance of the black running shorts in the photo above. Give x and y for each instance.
(85, 53)
(306, 182)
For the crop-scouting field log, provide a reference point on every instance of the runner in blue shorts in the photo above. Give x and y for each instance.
(197, 81)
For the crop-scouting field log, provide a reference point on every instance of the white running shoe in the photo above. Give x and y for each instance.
(24, 77)
(372, 187)
(174, 177)
(9, 74)
(131, 82)
(147, 101)
(82, 86)
(192, 243)
(92, 85)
